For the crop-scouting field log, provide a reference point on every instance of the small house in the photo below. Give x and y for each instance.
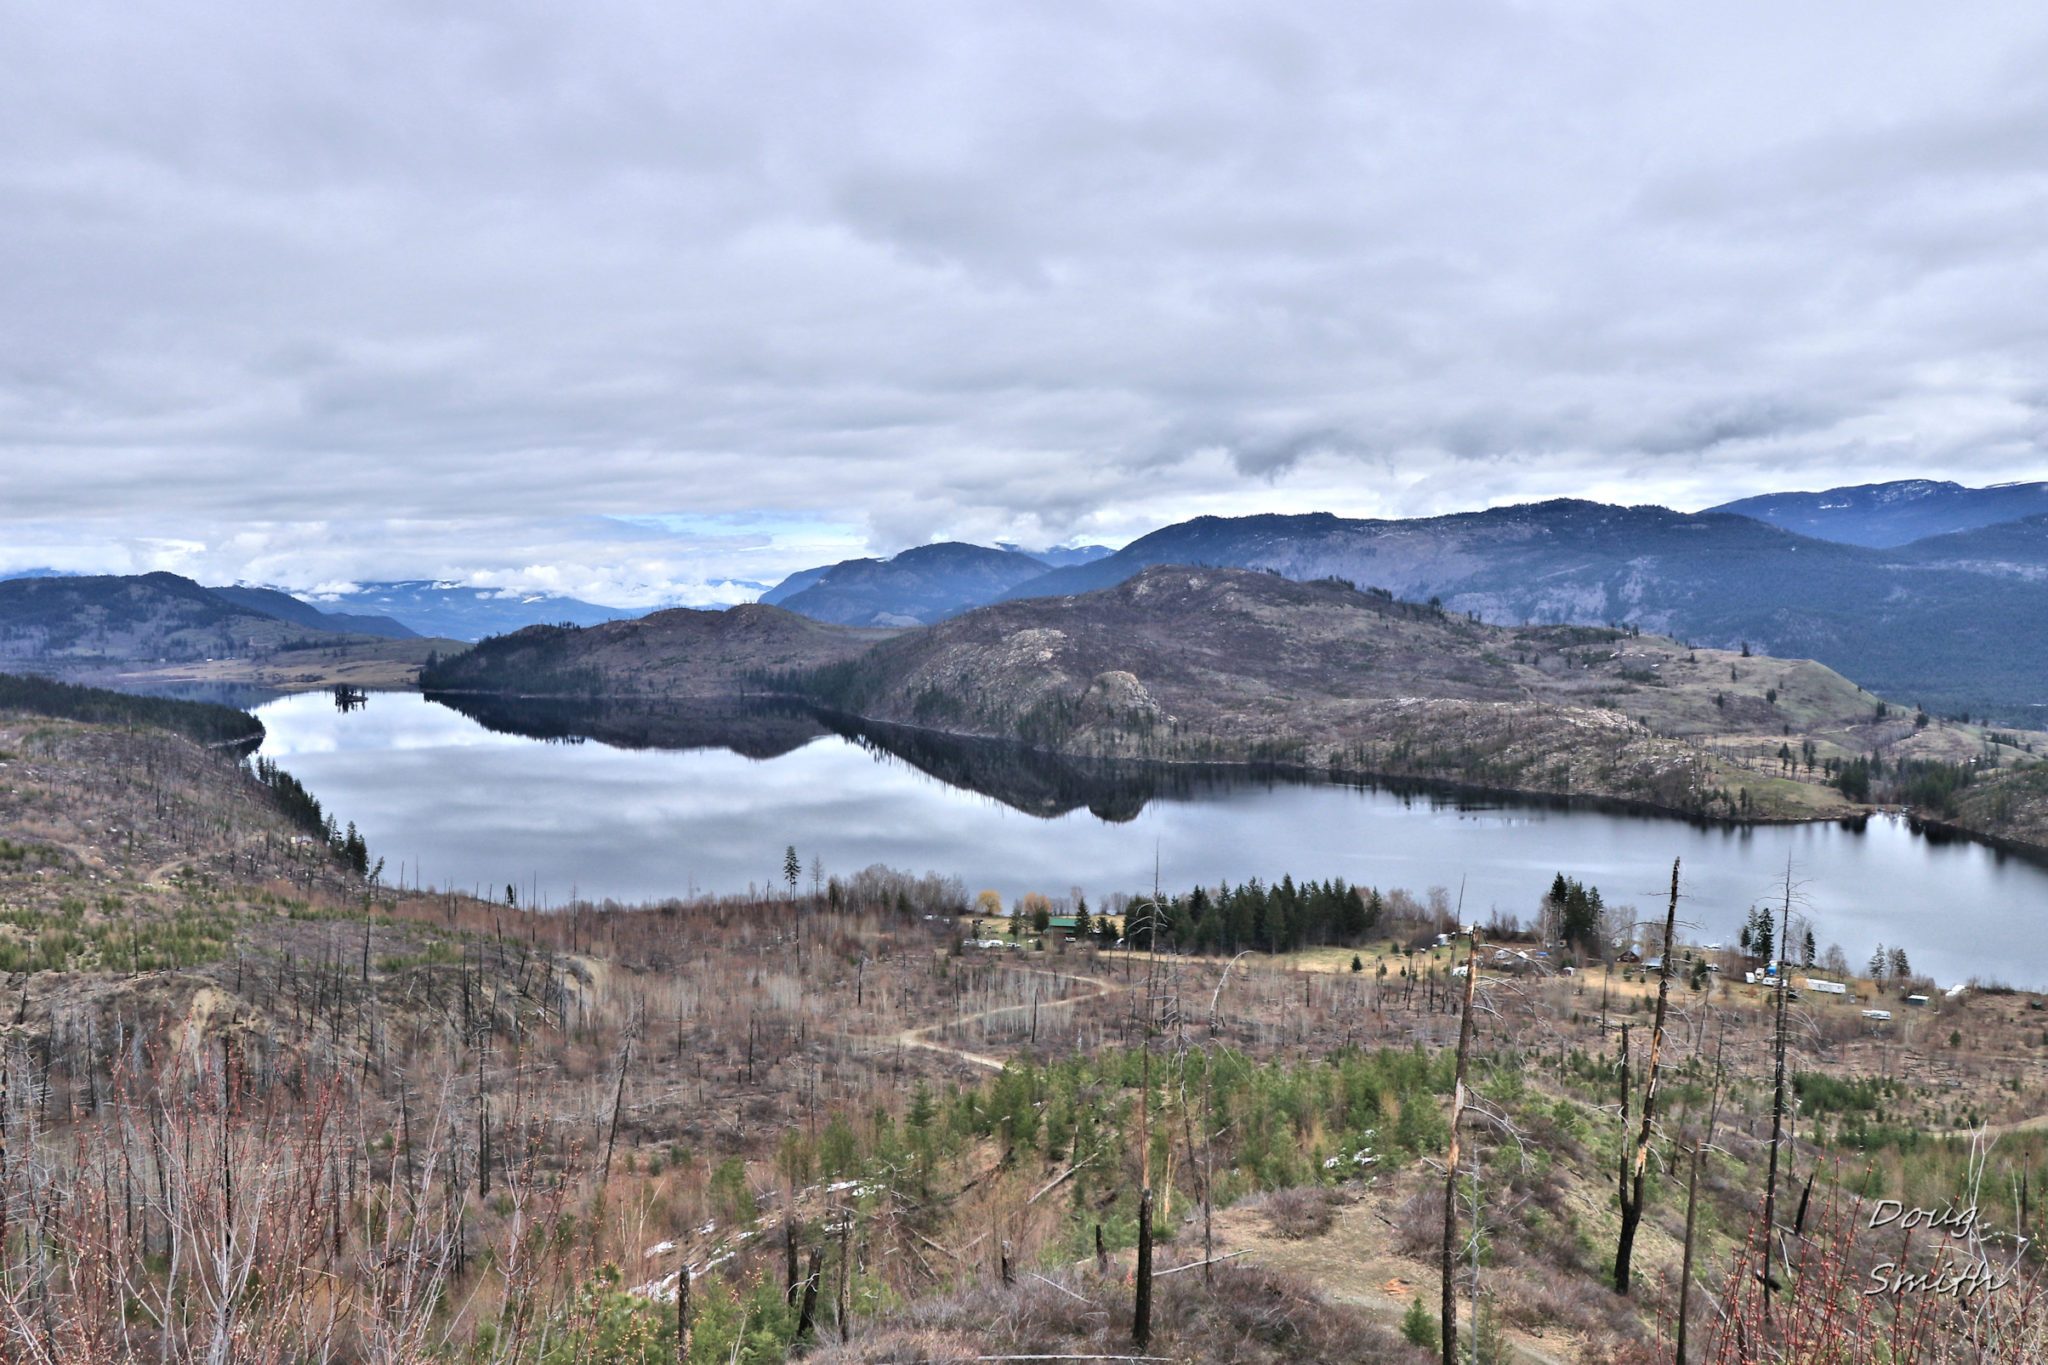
(1917, 1000)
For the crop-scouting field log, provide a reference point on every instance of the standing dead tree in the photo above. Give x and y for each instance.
(1696, 1153)
(1449, 1266)
(1778, 1040)
(1635, 1166)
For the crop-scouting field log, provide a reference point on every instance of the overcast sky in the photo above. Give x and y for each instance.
(627, 299)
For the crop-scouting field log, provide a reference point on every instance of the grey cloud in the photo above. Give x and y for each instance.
(452, 281)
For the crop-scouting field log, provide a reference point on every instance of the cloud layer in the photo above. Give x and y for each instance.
(307, 293)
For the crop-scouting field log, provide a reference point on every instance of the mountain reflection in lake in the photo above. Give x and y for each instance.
(633, 804)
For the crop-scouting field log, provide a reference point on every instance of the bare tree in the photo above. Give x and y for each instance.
(1635, 1167)
(1701, 1142)
(1449, 1308)
(1778, 1036)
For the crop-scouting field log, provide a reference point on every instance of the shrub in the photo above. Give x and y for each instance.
(1419, 1325)
(1299, 1212)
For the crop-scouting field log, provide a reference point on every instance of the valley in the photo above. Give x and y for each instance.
(552, 1116)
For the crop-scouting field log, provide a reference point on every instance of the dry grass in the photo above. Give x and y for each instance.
(1243, 1316)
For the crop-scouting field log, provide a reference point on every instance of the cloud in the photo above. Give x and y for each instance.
(642, 298)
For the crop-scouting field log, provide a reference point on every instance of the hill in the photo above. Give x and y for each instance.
(285, 607)
(1886, 515)
(916, 587)
(111, 619)
(680, 652)
(2012, 549)
(1203, 664)
(1923, 626)
(202, 722)
(456, 611)
(158, 630)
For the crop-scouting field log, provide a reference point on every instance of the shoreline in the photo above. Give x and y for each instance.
(1927, 826)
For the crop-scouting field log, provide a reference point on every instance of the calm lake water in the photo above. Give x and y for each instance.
(636, 807)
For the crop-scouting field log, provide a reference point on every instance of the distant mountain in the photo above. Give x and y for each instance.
(44, 572)
(147, 617)
(1884, 515)
(801, 579)
(285, 607)
(1064, 556)
(921, 585)
(454, 611)
(676, 653)
(1923, 623)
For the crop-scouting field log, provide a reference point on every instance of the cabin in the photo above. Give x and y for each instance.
(1064, 925)
(1917, 1000)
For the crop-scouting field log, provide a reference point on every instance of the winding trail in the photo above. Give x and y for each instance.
(921, 1037)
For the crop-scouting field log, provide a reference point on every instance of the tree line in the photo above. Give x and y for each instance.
(202, 721)
(1253, 916)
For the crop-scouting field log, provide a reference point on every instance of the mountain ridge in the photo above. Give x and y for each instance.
(460, 611)
(1894, 514)
(1934, 627)
(285, 607)
(916, 587)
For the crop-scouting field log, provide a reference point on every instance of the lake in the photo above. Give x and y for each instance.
(611, 803)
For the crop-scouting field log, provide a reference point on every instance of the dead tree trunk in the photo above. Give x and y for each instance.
(1770, 1229)
(618, 1103)
(807, 1314)
(1635, 1174)
(683, 1315)
(789, 1259)
(1449, 1325)
(1700, 1144)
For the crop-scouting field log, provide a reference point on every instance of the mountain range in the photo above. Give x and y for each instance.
(285, 607)
(1957, 622)
(1885, 515)
(457, 611)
